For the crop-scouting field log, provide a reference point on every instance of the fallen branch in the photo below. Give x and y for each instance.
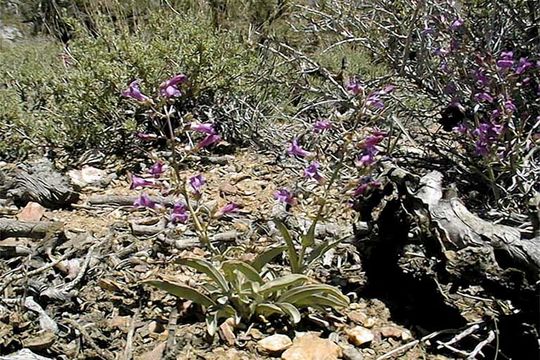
(29, 229)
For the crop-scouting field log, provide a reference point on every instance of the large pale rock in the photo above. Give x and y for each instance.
(90, 176)
(276, 343)
(359, 335)
(312, 347)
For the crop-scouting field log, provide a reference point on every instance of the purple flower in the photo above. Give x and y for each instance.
(137, 182)
(456, 24)
(296, 150)
(228, 209)
(179, 213)
(523, 65)
(481, 148)
(364, 184)
(146, 137)
(133, 91)
(284, 196)
(373, 140)
(367, 158)
(157, 169)
(206, 128)
(312, 171)
(510, 106)
(354, 87)
(461, 128)
(207, 141)
(483, 96)
(144, 201)
(169, 88)
(506, 61)
(375, 101)
(481, 78)
(486, 133)
(197, 183)
(321, 125)
(386, 90)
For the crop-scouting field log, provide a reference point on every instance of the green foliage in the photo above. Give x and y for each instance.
(238, 290)
(78, 101)
(28, 73)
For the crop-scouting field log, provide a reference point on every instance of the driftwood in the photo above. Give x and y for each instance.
(28, 229)
(458, 228)
(38, 182)
(441, 266)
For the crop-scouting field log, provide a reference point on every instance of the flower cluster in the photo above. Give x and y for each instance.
(369, 149)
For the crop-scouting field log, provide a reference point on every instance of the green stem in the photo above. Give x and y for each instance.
(201, 231)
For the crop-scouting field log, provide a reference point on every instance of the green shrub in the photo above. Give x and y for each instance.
(80, 103)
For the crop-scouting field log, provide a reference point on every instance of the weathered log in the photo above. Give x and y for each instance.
(29, 229)
(458, 228)
(433, 260)
(40, 183)
(126, 200)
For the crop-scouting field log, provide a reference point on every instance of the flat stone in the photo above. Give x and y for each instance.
(391, 331)
(359, 335)
(276, 343)
(41, 341)
(312, 347)
(90, 176)
(31, 212)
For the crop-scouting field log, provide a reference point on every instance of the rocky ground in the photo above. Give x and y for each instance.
(76, 293)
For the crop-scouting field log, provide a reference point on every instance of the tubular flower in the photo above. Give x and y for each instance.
(207, 141)
(506, 61)
(284, 196)
(134, 92)
(312, 171)
(228, 209)
(157, 169)
(179, 213)
(355, 87)
(206, 128)
(169, 88)
(144, 201)
(196, 183)
(321, 125)
(139, 182)
(296, 150)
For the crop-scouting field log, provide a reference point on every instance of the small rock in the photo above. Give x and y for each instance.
(357, 316)
(312, 347)
(406, 335)
(276, 343)
(120, 322)
(31, 212)
(90, 176)
(255, 334)
(391, 331)
(41, 341)
(359, 335)
(370, 322)
(352, 353)
(156, 327)
(24, 354)
(155, 354)
(226, 331)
